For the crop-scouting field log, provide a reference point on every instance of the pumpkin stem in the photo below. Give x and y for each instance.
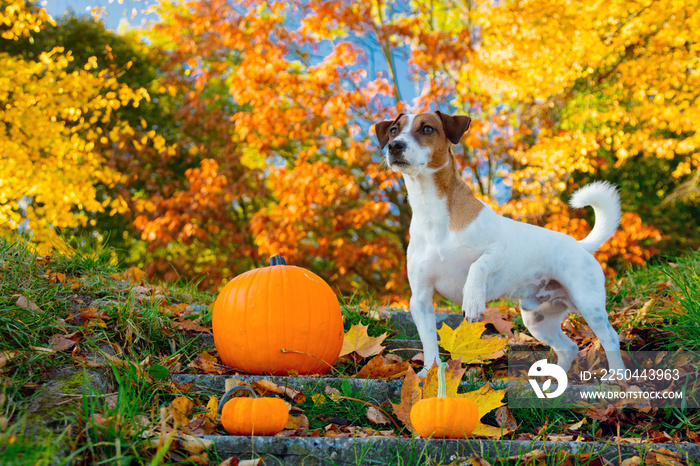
(277, 260)
(442, 388)
(228, 393)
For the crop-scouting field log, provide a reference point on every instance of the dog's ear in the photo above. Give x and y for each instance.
(455, 126)
(382, 130)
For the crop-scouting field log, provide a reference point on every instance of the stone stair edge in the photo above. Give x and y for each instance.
(344, 450)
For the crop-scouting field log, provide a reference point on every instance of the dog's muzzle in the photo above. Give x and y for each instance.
(396, 150)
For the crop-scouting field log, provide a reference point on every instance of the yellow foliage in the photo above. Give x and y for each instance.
(465, 342)
(50, 166)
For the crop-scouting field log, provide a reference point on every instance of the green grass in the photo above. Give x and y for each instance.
(137, 329)
(363, 310)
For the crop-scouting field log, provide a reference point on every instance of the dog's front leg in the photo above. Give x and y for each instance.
(423, 314)
(474, 291)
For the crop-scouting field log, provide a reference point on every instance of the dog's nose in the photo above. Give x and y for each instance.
(396, 147)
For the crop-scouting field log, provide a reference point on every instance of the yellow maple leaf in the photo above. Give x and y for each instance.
(465, 342)
(356, 340)
(487, 399)
(453, 375)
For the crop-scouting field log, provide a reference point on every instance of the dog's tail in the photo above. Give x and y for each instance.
(604, 199)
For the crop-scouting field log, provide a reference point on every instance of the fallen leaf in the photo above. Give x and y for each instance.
(665, 457)
(232, 461)
(495, 317)
(411, 393)
(333, 393)
(376, 416)
(477, 461)
(487, 399)
(453, 375)
(212, 406)
(189, 325)
(634, 461)
(265, 386)
(297, 423)
(181, 408)
(318, 399)
(57, 277)
(356, 340)
(205, 362)
(504, 418)
(61, 343)
(133, 274)
(465, 342)
(378, 368)
(6, 356)
(201, 424)
(26, 303)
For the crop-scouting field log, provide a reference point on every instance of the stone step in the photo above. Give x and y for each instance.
(375, 391)
(406, 327)
(297, 451)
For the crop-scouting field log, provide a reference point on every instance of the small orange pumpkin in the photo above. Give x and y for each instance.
(278, 319)
(444, 417)
(252, 416)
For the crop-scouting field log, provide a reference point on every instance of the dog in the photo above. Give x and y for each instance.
(469, 254)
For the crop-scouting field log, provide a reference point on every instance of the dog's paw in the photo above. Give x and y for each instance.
(473, 310)
(423, 373)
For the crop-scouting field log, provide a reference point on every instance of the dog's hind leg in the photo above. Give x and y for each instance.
(589, 301)
(592, 308)
(544, 323)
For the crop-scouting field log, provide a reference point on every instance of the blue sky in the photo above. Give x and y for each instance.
(117, 10)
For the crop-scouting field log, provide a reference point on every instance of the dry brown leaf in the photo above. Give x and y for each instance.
(634, 461)
(189, 325)
(477, 461)
(356, 340)
(205, 362)
(664, 457)
(180, 408)
(297, 423)
(26, 303)
(61, 343)
(265, 387)
(504, 418)
(378, 368)
(57, 277)
(497, 317)
(333, 393)
(6, 356)
(411, 393)
(132, 274)
(201, 424)
(376, 416)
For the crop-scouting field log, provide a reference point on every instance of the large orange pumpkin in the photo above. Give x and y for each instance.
(278, 319)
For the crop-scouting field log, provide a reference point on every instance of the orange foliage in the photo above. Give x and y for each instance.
(269, 105)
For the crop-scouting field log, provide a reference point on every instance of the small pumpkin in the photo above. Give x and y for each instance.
(277, 319)
(444, 417)
(252, 416)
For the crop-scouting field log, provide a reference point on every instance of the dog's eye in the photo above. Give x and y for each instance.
(394, 131)
(427, 129)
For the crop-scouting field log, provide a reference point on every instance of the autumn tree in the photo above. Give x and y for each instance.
(286, 165)
(611, 88)
(51, 121)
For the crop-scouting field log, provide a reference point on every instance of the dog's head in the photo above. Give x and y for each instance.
(416, 142)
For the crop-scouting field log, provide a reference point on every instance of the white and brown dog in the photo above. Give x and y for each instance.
(462, 249)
